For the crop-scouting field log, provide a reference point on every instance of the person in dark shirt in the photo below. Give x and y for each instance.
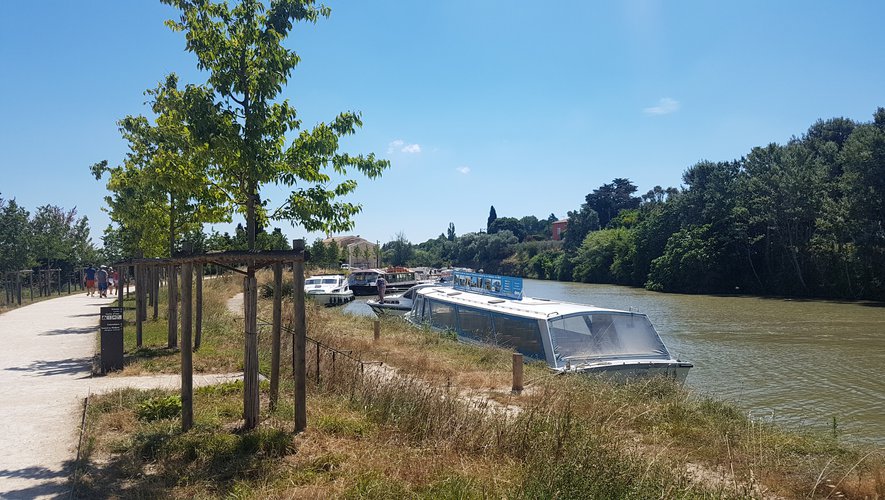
(89, 278)
(102, 278)
(381, 283)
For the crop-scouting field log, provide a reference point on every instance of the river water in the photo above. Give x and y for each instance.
(801, 363)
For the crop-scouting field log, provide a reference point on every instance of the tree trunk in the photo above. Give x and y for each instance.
(198, 336)
(250, 362)
(299, 344)
(187, 362)
(172, 340)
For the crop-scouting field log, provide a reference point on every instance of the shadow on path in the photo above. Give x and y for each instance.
(71, 331)
(68, 366)
(50, 483)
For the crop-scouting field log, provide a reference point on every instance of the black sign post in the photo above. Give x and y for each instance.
(111, 325)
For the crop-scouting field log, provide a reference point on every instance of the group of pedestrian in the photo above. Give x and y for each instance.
(107, 279)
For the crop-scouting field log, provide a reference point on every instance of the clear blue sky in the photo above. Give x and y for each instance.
(526, 106)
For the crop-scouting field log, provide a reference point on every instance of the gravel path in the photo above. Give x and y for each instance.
(45, 373)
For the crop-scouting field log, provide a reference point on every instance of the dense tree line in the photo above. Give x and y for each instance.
(50, 238)
(803, 218)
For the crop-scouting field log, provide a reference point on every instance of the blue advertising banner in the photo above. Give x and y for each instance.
(506, 287)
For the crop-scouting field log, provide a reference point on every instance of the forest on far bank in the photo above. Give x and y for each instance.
(801, 219)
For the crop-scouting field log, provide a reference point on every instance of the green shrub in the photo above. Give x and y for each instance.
(159, 408)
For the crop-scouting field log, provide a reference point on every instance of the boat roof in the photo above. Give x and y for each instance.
(337, 276)
(531, 307)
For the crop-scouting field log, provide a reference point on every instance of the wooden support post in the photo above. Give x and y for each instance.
(517, 372)
(120, 293)
(155, 290)
(139, 282)
(377, 330)
(251, 401)
(31, 286)
(172, 337)
(300, 340)
(198, 336)
(187, 360)
(18, 287)
(71, 277)
(58, 290)
(276, 334)
(149, 288)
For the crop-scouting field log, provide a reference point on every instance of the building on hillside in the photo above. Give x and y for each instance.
(558, 228)
(360, 252)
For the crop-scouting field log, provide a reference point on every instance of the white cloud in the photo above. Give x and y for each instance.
(464, 170)
(401, 146)
(666, 105)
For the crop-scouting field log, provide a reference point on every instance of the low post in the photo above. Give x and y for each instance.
(377, 330)
(517, 372)
(299, 361)
(187, 360)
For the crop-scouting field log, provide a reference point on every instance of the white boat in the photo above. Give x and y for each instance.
(398, 303)
(329, 290)
(568, 337)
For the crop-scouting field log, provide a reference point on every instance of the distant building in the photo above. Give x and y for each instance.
(558, 228)
(360, 251)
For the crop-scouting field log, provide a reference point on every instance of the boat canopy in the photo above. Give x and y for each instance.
(605, 335)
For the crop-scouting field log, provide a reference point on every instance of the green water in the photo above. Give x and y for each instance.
(800, 362)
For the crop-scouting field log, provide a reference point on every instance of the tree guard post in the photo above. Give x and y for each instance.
(251, 401)
(376, 333)
(300, 340)
(172, 338)
(155, 290)
(139, 283)
(277, 329)
(187, 361)
(198, 335)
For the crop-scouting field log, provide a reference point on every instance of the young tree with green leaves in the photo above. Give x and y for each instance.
(239, 45)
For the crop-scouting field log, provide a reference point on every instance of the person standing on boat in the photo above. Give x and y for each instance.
(381, 283)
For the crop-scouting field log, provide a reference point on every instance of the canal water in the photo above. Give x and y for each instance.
(801, 363)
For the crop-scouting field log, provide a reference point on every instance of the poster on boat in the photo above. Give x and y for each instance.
(506, 287)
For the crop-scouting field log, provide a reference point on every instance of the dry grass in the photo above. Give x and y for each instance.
(435, 429)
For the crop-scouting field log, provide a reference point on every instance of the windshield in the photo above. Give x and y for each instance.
(312, 281)
(605, 335)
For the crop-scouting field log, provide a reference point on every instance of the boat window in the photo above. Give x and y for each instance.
(312, 281)
(330, 281)
(442, 315)
(418, 308)
(476, 324)
(605, 335)
(520, 334)
(410, 294)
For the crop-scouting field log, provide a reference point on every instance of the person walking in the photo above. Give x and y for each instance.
(102, 277)
(112, 280)
(89, 278)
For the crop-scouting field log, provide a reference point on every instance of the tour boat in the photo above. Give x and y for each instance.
(568, 337)
(328, 290)
(365, 281)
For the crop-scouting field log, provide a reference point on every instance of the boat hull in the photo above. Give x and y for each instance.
(631, 371)
(331, 299)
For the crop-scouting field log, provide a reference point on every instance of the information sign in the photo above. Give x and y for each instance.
(111, 325)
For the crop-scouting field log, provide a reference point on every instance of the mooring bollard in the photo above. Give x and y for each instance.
(377, 326)
(517, 372)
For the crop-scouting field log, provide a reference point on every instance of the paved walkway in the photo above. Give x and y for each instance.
(46, 352)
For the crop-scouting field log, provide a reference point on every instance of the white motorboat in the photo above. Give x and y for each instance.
(328, 290)
(568, 337)
(398, 303)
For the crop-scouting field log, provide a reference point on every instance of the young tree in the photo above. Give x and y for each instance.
(239, 46)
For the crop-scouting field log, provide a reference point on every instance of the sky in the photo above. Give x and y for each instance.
(524, 106)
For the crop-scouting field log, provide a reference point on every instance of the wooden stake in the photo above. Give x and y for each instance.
(517, 372)
(300, 341)
(155, 290)
(377, 330)
(277, 329)
(172, 338)
(198, 336)
(187, 362)
(139, 284)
